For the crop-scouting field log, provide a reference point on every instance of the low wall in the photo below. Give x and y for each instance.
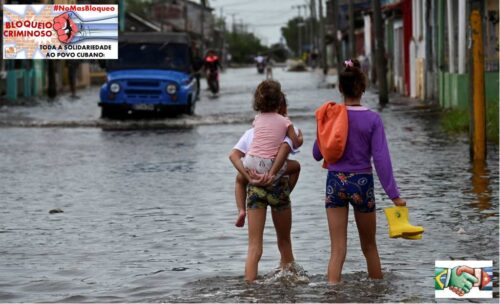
(455, 89)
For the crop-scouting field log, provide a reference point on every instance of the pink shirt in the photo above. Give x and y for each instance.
(269, 131)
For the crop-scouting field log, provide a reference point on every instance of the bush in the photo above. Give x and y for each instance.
(457, 121)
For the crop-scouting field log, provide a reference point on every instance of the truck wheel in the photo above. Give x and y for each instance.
(189, 110)
(107, 112)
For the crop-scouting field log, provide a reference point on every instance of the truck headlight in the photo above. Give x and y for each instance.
(114, 88)
(171, 89)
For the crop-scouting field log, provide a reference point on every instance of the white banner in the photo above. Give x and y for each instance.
(60, 31)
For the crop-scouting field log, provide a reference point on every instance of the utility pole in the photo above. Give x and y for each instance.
(299, 30)
(336, 42)
(352, 42)
(312, 7)
(322, 43)
(307, 25)
(478, 113)
(451, 36)
(233, 16)
(204, 5)
(223, 37)
(380, 54)
(462, 35)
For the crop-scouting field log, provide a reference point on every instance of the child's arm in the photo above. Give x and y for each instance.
(382, 162)
(300, 137)
(280, 159)
(293, 136)
(235, 158)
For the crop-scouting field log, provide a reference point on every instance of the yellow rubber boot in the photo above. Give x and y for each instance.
(399, 226)
(413, 237)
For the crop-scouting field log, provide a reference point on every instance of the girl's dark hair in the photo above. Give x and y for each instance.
(268, 96)
(352, 81)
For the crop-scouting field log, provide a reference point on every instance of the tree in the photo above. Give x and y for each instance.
(291, 33)
(278, 52)
(244, 46)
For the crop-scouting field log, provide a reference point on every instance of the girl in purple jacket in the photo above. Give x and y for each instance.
(350, 180)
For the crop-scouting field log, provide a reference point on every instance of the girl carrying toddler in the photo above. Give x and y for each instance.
(241, 149)
(270, 129)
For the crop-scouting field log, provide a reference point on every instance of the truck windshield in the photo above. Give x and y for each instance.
(167, 56)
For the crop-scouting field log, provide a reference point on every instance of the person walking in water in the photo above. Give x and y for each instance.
(241, 149)
(350, 178)
(270, 130)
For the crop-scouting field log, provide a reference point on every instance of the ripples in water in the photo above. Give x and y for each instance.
(294, 285)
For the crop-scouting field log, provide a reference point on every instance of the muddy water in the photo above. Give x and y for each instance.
(149, 209)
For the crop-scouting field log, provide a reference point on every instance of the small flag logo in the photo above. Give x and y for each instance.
(463, 279)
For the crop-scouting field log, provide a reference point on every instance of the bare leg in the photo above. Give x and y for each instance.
(283, 224)
(256, 222)
(240, 195)
(337, 224)
(293, 171)
(367, 223)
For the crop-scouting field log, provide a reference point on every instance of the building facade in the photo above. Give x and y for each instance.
(427, 46)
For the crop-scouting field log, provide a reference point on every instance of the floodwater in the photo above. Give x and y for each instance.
(149, 210)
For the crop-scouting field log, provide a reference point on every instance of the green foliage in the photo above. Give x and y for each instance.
(291, 33)
(278, 52)
(244, 46)
(457, 121)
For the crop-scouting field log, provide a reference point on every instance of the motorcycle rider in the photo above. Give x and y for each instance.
(261, 64)
(212, 66)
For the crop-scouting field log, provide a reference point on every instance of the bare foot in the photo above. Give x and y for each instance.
(240, 221)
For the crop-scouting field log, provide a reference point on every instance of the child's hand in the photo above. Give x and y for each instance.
(300, 137)
(260, 180)
(399, 202)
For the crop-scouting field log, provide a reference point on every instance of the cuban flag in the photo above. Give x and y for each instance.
(486, 282)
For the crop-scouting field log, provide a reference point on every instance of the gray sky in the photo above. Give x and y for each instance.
(264, 17)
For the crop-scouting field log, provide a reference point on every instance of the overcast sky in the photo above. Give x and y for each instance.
(264, 17)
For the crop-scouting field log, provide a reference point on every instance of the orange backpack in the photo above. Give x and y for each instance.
(332, 127)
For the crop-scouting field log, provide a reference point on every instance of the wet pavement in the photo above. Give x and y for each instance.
(149, 209)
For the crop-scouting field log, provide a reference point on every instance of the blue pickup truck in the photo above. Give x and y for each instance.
(152, 75)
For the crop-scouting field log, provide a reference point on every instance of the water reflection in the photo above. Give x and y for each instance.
(480, 186)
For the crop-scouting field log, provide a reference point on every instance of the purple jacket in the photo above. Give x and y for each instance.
(365, 139)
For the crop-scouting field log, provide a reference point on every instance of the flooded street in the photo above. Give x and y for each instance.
(149, 206)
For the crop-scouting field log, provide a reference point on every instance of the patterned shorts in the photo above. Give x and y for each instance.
(277, 196)
(355, 188)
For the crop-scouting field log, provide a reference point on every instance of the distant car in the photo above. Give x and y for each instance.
(153, 74)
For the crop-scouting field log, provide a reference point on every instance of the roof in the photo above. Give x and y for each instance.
(153, 37)
(146, 23)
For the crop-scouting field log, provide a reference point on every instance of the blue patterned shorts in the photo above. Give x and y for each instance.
(355, 188)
